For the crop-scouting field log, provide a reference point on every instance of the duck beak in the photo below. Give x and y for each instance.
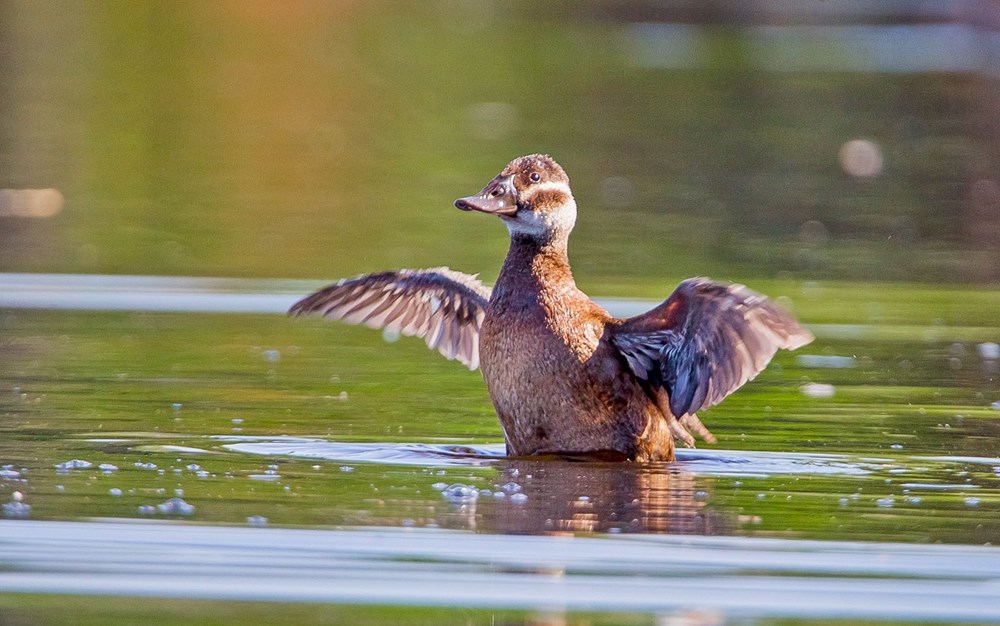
(499, 198)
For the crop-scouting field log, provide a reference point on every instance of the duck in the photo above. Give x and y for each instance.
(566, 378)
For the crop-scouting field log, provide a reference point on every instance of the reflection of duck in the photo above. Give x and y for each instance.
(565, 377)
(607, 497)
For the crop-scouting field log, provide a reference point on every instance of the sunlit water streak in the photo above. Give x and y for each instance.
(736, 576)
(185, 294)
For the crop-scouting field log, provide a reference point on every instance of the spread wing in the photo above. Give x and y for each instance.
(705, 341)
(444, 307)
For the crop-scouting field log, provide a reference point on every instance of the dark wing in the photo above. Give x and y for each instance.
(444, 307)
(705, 341)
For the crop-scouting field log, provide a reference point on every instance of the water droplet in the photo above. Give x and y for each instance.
(115, 492)
(74, 464)
(175, 506)
(272, 356)
(460, 493)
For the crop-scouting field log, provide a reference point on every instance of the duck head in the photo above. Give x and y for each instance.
(531, 195)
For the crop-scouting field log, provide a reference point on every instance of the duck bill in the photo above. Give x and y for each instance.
(498, 198)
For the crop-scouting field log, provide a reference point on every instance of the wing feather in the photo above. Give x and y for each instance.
(444, 307)
(705, 341)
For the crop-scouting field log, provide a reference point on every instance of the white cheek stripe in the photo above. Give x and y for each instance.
(548, 186)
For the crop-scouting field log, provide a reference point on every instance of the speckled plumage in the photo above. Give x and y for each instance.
(565, 377)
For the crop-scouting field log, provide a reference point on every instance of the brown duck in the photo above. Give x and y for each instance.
(566, 378)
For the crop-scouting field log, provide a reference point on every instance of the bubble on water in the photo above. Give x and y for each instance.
(178, 492)
(265, 477)
(701, 495)
(390, 336)
(256, 520)
(193, 467)
(177, 406)
(761, 496)
(114, 492)
(583, 499)
(175, 506)
(439, 486)
(147, 466)
(511, 487)
(272, 356)
(499, 495)
(896, 446)
(316, 467)
(972, 502)
(146, 509)
(60, 488)
(519, 498)
(178, 470)
(7, 473)
(995, 405)
(16, 510)
(614, 530)
(885, 503)
(107, 468)
(346, 468)
(74, 464)
(460, 493)
(914, 499)
(237, 420)
(989, 350)
(844, 502)
(202, 474)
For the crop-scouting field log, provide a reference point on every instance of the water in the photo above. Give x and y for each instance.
(291, 470)
(638, 575)
(344, 430)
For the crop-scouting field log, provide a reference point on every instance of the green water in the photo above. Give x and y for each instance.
(121, 388)
(320, 140)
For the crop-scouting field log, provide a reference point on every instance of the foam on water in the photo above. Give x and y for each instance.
(699, 462)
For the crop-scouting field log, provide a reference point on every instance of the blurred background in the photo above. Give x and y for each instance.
(854, 140)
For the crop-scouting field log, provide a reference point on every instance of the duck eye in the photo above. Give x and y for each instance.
(535, 177)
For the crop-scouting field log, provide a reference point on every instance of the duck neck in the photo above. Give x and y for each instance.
(535, 265)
